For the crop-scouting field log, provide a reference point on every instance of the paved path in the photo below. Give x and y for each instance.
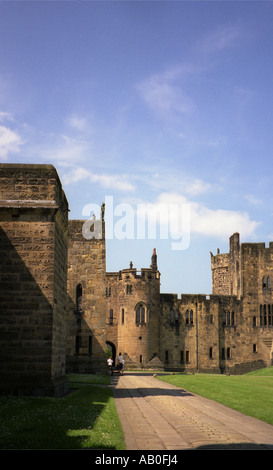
(159, 416)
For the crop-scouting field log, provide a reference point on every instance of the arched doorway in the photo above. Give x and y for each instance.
(113, 348)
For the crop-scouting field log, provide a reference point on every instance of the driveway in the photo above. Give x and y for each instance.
(158, 416)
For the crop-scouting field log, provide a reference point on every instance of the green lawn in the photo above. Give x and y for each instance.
(251, 394)
(84, 419)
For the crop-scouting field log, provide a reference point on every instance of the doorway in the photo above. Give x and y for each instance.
(113, 349)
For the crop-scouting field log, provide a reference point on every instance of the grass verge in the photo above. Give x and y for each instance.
(84, 419)
(251, 394)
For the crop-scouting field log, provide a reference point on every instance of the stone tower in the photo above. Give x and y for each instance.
(246, 273)
(33, 271)
(86, 297)
(133, 313)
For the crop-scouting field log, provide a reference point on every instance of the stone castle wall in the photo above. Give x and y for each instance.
(248, 276)
(133, 313)
(59, 308)
(33, 253)
(86, 301)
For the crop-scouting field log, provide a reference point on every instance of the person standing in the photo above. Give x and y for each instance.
(110, 364)
(120, 363)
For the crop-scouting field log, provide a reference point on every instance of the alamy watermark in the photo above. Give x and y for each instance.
(142, 221)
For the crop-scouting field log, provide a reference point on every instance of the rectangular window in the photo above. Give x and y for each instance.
(77, 344)
(211, 353)
(228, 318)
(90, 345)
(181, 357)
(128, 289)
(140, 358)
(211, 319)
(265, 322)
(254, 348)
(228, 353)
(187, 357)
(269, 315)
(261, 315)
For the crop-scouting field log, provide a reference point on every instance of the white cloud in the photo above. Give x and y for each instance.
(10, 142)
(5, 116)
(61, 150)
(117, 182)
(78, 123)
(253, 199)
(167, 181)
(204, 221)
(221, 38)
(163, 96)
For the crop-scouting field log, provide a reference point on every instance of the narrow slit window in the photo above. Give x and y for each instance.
(79, 298)
(90, 345)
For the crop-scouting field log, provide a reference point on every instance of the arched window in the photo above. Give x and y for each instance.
(79, 298)
(189, 317)
(141, 313)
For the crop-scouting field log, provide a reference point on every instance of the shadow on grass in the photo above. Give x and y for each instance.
(84, 419)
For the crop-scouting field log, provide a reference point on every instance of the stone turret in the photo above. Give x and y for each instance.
(133, 312)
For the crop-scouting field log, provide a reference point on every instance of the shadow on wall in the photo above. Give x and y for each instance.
(27, 345)
(84, 352)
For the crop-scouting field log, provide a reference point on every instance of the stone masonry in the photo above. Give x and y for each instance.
(86, 333)
(60, 308)
(33, 271)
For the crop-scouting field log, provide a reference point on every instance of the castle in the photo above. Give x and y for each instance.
(59, 308)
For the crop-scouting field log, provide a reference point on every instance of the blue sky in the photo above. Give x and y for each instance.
(147, 103)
